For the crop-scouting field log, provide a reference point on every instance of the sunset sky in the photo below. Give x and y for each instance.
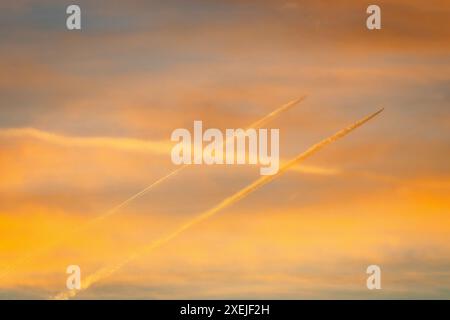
(86, 118)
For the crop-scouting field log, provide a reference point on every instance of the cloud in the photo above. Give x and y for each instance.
(140, 69)
(124, 144)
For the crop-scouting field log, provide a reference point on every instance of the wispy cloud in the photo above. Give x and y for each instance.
(124, 144)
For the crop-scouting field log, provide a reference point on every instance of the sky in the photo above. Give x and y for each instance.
(86, 118)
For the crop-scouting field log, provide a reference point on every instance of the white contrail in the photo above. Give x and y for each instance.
(258, 124)
(107, 271)
(254, 125)
(114, 210)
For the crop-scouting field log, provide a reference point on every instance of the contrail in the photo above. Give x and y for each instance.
(256, 125)
(108, 271)
(114, 210)
(88, 224)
